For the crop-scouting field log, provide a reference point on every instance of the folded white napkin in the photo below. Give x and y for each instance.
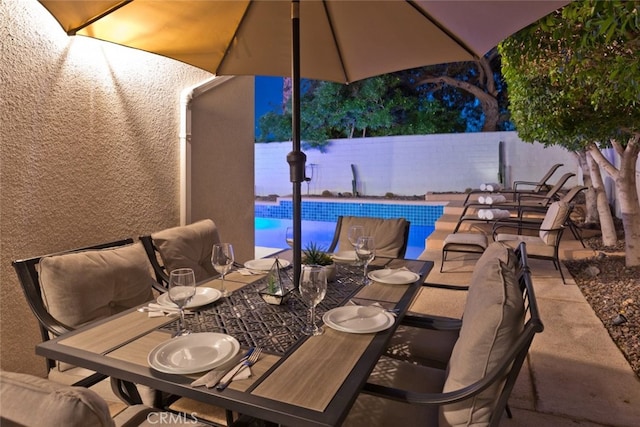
(386, 272)
(496, 214)
(377, 305)
(211, 378)
(246, 271)
(498, 198)
(157, 310)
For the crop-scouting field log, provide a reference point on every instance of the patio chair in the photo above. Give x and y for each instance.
(30, 401)
(391, 235)
(525, 196)
(548, 234)
(500, 321)
(178, 247)
(523, 202)
(568, 198)
(432, 346)
(68, 289)
(540, 185)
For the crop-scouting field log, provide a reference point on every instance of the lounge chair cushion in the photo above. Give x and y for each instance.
(84, 286)
(554, 218)
(535, 246)
(388, 233)
(32, 401)
(188, 247)
(493, 319)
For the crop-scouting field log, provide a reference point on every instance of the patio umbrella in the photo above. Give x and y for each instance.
(334, 40)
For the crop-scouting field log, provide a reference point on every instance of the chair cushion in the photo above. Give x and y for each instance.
(373, 411)
(493, 319)
(33, 401)
(554, 218)
(535, 246)
(388, 233)
(84, 286)
(188, 246)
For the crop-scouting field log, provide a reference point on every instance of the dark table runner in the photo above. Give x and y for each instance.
(276, 328)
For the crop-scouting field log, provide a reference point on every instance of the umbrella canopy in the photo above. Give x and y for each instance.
(334, 40)
(341, 41)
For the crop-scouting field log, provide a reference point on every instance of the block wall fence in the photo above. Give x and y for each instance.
(412, 165)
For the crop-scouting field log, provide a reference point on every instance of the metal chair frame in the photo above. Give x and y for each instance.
(507, 369)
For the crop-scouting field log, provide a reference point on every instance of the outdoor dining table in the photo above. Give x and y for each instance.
(299, 380)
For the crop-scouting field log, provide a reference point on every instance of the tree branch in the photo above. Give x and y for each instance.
(602, 161)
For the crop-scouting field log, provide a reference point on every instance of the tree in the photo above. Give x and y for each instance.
(378, 106)
(459, 85)
(574, 79)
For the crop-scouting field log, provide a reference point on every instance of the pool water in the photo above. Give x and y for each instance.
(270, 232)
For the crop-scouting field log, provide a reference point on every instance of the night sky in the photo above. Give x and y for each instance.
(268, 95)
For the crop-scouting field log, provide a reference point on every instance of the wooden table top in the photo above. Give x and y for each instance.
(314, 383)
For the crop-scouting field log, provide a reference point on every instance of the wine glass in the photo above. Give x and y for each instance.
(288, 236)
(354, 233)
(366, 252)
(222, 259)
(182, 287)
(313, 287)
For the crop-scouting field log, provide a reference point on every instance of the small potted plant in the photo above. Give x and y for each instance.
(277, 289)
(314, 254)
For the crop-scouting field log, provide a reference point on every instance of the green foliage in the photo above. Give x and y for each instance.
(275, 127)
(574, 77)
(378, 106)
(315, 254)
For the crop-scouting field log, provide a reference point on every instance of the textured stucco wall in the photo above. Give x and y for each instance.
(89, 151)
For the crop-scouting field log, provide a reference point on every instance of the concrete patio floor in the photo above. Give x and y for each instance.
(575, 374)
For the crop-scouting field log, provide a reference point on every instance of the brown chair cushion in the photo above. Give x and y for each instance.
(84, 286)
(188, 246)
(33, 401)
(388, 233)
(493, 319)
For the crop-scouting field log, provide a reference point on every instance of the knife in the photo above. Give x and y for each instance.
(234, 367)
(211, 378)
(226, 379)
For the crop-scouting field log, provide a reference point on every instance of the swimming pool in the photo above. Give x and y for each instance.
(319, 220)
(270, 233)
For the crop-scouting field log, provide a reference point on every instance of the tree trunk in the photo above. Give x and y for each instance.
(627, 193)
(609, 237)
(591, 206)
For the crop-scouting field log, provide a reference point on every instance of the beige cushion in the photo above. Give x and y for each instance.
(33, 401)
(554, 218)
(370, 411)
(465, 242)
(188, 247)
(493, 319)
(84, 286)
(535, 246)
(388, 234)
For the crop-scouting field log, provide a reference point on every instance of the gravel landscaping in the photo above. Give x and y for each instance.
(613, 291)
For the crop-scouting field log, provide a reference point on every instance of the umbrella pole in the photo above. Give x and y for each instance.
(296, 158)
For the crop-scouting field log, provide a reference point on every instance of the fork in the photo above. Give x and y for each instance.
(224, 382)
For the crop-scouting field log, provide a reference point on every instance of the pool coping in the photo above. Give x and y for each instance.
(360, 200)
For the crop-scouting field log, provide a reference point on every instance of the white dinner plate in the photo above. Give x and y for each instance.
(202, 297)
(358, 319)
(193, 353)
(344, 256)
(264, 264)
(393, 276)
